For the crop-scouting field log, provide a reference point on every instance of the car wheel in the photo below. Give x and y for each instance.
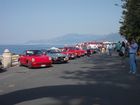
(29, 65)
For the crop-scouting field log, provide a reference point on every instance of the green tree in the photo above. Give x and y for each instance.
(130, 23)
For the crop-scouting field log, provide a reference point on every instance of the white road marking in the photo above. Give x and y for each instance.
(11, 85)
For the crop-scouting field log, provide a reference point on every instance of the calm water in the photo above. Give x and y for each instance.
(18, 49)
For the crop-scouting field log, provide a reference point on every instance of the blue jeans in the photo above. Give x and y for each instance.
(132, 61)
(110, 52)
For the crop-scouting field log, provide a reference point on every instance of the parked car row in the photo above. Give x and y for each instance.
(45, 58)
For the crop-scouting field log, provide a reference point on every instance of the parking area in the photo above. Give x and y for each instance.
(95, 80)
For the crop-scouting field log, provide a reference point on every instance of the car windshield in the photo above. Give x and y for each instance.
(53, 51)
(34, 52)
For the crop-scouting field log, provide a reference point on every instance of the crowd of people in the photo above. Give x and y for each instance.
(124, 49)
(129, 49)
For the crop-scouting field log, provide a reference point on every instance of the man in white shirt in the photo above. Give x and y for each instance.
(132, 56)
(110, 49)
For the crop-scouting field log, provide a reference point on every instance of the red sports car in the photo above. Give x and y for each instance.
(77, 52)
(70, 54)
(35, 58)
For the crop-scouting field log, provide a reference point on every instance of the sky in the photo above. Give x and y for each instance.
(25, 20)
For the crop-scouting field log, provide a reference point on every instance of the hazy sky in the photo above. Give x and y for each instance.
(24, 20)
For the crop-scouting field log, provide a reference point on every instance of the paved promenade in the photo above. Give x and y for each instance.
(95, 80)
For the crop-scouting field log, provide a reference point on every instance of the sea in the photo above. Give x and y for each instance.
(19, 49)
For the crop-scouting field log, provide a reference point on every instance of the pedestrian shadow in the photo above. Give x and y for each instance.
(105, 70)
(2, 70)
(89, 94)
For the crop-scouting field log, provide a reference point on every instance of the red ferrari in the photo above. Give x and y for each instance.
(77, 52)
(35, 58)
(70, 54)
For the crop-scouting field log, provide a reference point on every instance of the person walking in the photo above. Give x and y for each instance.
(118, 46)
(133, 46)
(123, 47)
(110, 49)
(122, 50)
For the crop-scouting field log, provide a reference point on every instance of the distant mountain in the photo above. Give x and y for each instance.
(76, 38)
(114, 37)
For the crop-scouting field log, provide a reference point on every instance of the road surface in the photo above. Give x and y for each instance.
(96, 80)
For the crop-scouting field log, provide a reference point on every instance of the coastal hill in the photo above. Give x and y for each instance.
(77, 38)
